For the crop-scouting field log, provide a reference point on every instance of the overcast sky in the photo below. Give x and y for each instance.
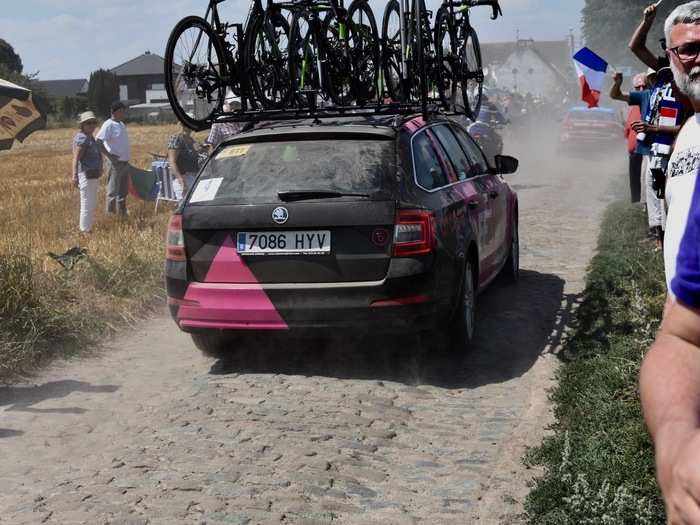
(70, 38)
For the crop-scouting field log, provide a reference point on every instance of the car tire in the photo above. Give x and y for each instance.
(212, 345)
(511, 270)
(464, 323)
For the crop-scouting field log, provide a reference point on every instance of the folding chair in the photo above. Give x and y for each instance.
(164, 182)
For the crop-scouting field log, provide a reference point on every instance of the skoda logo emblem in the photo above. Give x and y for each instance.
(280, 215)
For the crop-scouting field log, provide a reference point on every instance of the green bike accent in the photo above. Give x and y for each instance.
(342, 31)
(304, 66)
(275, 47)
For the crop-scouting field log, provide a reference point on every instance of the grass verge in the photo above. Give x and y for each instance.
(598, 464)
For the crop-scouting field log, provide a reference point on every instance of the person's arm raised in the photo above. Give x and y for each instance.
(670, 392)
(616, 91)
(638, 44)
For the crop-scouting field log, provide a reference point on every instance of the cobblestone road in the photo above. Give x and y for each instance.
(350, 432)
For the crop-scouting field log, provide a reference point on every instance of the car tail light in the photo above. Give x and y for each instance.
(414, 233)
(175, 241)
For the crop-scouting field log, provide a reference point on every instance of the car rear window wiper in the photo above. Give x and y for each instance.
(306, 195)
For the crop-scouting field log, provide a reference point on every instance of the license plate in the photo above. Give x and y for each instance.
(284, 243)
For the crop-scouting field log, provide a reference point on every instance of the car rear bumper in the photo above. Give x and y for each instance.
(590, 140)
(381, 307)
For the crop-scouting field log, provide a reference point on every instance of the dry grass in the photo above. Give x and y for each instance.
(43, 307)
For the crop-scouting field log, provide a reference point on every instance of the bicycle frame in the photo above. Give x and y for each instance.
(312, 39)
(237, 78)
(314, 36)
(406, 29)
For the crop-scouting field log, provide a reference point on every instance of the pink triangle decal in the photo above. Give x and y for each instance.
(228, 267)
(231, 297)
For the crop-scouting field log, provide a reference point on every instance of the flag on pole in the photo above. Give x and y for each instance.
(591, 71)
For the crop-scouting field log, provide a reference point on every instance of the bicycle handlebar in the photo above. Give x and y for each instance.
(495, 6)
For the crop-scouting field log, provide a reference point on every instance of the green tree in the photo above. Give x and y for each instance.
(9, 59)
(102, 91)
(69, 108)
(608, 26)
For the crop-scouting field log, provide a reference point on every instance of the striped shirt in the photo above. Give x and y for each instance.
(220, 132)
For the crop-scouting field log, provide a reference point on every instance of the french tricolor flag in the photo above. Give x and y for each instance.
(591, 71)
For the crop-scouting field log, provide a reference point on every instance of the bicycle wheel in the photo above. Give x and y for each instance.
(303, 70)
(267, 60)
(364, 51)
(195, 72)
(337, 67)
(471, 74)
(445, 58)
(391, 51)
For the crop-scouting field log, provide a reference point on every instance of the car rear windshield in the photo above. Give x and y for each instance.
(592, 116)
(257, 172)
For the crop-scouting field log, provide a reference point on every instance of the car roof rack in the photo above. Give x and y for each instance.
(396, 112)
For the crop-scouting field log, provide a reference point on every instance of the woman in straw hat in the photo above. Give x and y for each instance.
(87, 169)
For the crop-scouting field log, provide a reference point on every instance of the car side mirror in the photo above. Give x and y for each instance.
(506, 164)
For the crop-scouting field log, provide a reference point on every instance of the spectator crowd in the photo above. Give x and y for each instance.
(111, 142)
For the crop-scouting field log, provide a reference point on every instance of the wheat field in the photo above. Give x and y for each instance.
(44, 309)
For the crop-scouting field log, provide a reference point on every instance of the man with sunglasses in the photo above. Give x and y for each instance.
(670, 375)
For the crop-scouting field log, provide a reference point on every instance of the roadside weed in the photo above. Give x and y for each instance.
(598, 463)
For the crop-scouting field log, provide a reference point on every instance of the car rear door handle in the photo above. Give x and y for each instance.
(493, 194)
(473, 205)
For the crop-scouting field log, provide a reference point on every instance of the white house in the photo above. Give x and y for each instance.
(543, 69)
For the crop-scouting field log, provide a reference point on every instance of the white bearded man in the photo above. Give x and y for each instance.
(670, 376)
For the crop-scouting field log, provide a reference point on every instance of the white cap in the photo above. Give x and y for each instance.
(86, 117)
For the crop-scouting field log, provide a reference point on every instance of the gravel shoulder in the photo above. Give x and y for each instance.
(346, 431)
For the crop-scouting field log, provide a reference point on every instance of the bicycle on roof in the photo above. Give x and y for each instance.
(451, 52)
(461, 74)
(334, 52)
(319, 58)
(202, 64)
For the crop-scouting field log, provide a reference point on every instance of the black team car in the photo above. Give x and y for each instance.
(386, 225)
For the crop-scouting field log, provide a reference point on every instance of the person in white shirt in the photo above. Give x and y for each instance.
(685, 160)
(113, 140)
(670, 375)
